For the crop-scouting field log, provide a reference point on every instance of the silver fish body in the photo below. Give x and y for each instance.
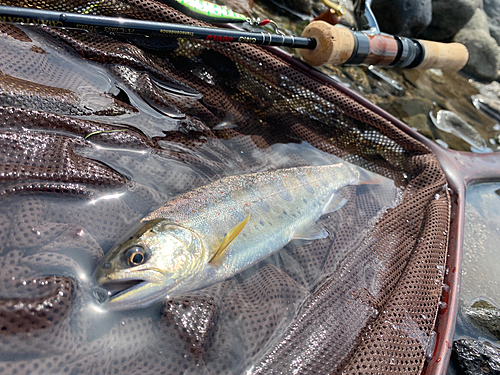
(213, 232)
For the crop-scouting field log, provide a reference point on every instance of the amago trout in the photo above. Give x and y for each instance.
(213, 232)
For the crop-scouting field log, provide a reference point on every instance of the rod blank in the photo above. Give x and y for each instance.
(91, 23)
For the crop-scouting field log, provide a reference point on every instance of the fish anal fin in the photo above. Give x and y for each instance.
(310, 233)
(230, 236)
(335, 203)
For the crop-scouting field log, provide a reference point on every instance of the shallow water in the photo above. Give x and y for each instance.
(412, 94)
(481, 268)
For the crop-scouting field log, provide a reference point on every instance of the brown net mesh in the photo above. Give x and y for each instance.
(188, 112)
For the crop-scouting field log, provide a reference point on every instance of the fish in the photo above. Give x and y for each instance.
(211, 233)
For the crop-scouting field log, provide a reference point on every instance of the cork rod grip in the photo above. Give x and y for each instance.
(444, 56)
(339, 45)
(335, 45)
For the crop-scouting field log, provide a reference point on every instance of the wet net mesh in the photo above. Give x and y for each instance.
(355, 307)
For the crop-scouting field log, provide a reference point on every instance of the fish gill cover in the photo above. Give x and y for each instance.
(97, 131)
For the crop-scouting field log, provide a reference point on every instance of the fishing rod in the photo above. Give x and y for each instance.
(118, 25)
(321, 43)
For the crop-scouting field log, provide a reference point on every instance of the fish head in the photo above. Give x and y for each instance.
(149, 265)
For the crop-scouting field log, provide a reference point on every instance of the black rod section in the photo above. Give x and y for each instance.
(29, 16)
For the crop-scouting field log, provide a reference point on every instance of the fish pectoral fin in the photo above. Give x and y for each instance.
(310, 233)
(335, 203)
(230, 236)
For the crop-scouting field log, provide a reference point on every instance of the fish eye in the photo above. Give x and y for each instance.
(136, 256)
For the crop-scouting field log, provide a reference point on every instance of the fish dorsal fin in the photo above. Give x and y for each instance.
(230, 236)
(335, 203)
(310, 233)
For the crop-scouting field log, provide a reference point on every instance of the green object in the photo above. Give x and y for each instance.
(199, 9)
(206, 11)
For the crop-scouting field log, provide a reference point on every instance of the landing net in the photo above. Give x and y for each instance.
(361, 301)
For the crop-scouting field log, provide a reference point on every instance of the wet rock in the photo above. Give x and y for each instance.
(349, 20)
(318, 7)
(486, 316)
(488, 89)
(489, 106)
(358, 75)
(484, 53)
(388, 79)
(436, 76)
(466, 22)
(473, 357)
(450, 122)
(448, 17)
(420, 124)
(450, 141)
(492, 10)
(406, 18)
(411, 106)
(292, 6)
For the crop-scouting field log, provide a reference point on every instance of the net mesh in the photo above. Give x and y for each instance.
(350, 306)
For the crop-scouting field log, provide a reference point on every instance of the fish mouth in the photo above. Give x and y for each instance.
(108, 290)
(129, 291)
(115, 288)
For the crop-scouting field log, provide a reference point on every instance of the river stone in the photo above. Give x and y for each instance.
(403, 17)
(448, 17)
(486, 316)
(358, 75)
(411, 106)
(299, 6)
(484, 53)
(492, 10)
(419, 123)
(473, 357)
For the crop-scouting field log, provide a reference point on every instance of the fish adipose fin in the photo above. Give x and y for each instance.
(230, 236)
(335, 203)
(310, 233)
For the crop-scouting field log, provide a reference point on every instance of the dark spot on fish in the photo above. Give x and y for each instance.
(261, 223)
(271, 224)
(284, 213)
(106, 265)
(131, 238)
